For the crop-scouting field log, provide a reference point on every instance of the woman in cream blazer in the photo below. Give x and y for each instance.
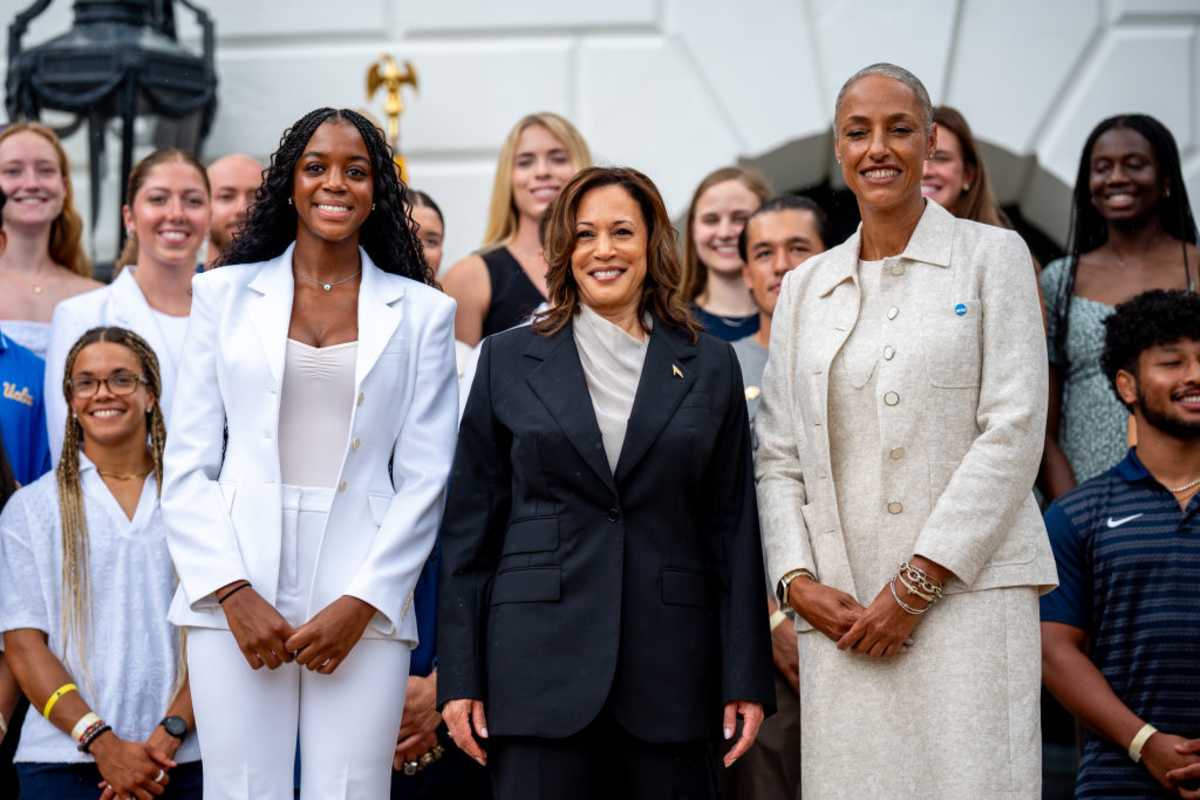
(902, 416)
(312, 436)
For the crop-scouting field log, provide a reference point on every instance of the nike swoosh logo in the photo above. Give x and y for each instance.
(1116, 523)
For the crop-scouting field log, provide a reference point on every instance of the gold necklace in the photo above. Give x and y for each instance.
(119, 477)
(1185, 487)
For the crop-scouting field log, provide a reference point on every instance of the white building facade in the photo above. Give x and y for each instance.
(677, 88)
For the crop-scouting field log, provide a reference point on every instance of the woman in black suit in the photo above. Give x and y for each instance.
(602, 623)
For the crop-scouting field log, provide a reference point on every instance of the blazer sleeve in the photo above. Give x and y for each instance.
(420, 465)
(777, 461)
(477, 510)
(746, 668)
(977, 509)
(200, 534)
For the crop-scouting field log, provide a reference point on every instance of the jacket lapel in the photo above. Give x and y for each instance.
(272, 313)
(378, 316)
(666, 378)
(133, 312)
(559, 383)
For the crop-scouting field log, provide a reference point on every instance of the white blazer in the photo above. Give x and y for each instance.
(121, 303)
(222, 499)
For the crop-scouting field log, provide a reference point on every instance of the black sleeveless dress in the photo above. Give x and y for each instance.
(514, 297)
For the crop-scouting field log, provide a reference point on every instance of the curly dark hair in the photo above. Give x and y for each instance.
(1153, 318)
(387, 235)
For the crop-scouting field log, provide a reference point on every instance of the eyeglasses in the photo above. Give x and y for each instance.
(119, 383)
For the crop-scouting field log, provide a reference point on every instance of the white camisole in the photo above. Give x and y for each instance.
(314, 412)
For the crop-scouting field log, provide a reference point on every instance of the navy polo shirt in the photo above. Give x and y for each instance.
(1129, 576)
(23, 412)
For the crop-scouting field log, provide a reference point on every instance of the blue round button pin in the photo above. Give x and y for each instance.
(961, 309)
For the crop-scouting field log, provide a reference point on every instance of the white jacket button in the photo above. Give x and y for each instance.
(892, 399)
(889, 352)
(895, 507)
(893, 312)
(896, 453)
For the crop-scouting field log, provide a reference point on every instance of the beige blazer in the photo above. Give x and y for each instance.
(962, 387)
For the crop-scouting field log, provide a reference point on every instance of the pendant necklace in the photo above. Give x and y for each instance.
(118, 477)
(327, 286)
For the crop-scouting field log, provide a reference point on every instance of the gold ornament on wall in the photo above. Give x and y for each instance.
(386, 74)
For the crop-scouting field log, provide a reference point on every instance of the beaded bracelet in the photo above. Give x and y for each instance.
(91, 735)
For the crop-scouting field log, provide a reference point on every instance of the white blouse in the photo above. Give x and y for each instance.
(129, 662)
(612, 366)
(314, 412)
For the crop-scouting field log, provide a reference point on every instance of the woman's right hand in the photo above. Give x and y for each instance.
(129, 769)
(831, 611)
(460, 717)
(260, 630)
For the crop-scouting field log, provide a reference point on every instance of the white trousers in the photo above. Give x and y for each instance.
(247, 720)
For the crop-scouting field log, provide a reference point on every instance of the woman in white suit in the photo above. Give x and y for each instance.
(312, 436)
(903, 409)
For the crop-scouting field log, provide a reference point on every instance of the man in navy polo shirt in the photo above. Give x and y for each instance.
(22, 412)
(1121, 634)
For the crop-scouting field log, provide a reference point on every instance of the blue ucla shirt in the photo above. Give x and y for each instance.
(23, 412)
(1129, 576)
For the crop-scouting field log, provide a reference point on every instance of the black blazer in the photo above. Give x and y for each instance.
(566, 589)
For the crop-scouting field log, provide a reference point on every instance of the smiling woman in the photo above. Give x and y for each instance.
(602, 517)
(166, 221)
(898, 438)
(326, 353)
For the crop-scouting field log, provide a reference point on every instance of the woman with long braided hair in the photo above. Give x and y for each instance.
(1132, 230)
(310, 446)
(87, 581)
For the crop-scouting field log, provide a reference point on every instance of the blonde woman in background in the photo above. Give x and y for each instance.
(44, 262)
(87, 581)
(712, 266)
(167, 220)
(505, 282)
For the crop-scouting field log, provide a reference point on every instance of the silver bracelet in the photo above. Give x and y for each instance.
(916, 612)
(921, 578)
(913, 590)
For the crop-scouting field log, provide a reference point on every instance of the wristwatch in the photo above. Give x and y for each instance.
(175, 726)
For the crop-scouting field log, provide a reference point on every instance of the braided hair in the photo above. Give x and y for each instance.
(387, 234)
(1089, 230)
(76, 601)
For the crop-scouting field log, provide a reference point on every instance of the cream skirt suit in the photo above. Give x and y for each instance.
(903, 411)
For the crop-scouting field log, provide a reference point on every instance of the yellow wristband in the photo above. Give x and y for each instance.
(66, 688)
(1139, 741)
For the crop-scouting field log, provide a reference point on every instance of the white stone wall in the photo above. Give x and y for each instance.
(679, 87)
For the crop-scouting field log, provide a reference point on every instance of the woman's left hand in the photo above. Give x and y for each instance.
(882, 630)
(322, 643)
(752, 718)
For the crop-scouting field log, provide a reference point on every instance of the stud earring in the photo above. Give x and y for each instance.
(372, 206)
(966, 187)
(289, 201)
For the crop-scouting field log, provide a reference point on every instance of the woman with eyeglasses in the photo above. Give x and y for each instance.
(85, 584)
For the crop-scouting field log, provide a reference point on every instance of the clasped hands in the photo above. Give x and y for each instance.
(1174, 762)
(135, 769)
(321, 644)
(881, 630)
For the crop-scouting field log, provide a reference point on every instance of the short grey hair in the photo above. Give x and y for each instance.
(896, 73)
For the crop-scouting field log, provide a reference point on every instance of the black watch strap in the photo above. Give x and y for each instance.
(176, 726)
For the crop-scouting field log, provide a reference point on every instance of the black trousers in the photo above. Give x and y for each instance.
(602, 762)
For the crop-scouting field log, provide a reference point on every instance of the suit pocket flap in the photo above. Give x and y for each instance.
(532, 585)
(534, 535)
(681, 588)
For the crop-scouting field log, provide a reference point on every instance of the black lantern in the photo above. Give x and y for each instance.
(120, 60)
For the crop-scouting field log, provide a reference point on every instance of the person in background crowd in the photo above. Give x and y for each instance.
(898, 439)
(780, 236)
(712, 268)
(427, 766)
(86, 580)
(45, 263)
(341, 420)
(234, 180)
(1132, 230)
(505, 282)
(166, 220)
(601, 612)
(1121, 634)
(22, 409)
(955, 176)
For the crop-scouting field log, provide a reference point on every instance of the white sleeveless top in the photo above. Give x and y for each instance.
(28, 333)
(314, 412)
